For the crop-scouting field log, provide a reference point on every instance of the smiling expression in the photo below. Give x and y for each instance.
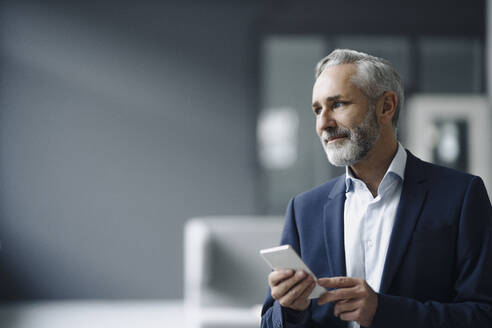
(345, 120)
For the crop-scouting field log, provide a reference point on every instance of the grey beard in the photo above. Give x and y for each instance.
(359, 142)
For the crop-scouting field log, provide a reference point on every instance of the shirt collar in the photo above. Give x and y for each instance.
(397, 167)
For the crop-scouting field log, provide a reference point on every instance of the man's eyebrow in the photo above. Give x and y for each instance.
(332, 98)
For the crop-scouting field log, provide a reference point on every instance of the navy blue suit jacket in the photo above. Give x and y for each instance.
(438, 269)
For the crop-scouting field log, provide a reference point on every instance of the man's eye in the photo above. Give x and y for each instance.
(338, 104)
(317, 111)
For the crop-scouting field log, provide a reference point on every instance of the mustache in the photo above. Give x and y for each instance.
(335, 133)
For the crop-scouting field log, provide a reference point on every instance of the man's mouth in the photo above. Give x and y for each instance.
(334, 139)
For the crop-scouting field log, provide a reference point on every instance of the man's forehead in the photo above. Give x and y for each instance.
(334, 77)
(335, 83)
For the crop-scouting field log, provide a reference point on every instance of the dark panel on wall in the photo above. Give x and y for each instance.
(387, 17)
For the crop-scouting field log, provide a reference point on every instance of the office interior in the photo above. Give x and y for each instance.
(128, 127)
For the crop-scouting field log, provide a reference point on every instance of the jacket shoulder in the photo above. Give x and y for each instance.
(439, 175)
(321, 192)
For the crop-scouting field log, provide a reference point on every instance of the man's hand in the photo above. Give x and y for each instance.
(291, 288)
(354, 299)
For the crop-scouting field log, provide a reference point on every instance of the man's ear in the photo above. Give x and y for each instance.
(388, 107)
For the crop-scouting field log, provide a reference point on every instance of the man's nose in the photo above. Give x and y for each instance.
(325, 120)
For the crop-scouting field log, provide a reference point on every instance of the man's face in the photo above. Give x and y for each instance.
(345, 121)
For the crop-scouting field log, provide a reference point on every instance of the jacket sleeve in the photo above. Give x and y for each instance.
(273, 315)
(472, 304)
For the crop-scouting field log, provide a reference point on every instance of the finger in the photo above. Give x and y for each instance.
(277, 276)
(350, 316)
(346, 306)
(339, 282)
(339, 295)
(296, 292)
(284, 286)
(303, 298)
(305, 294)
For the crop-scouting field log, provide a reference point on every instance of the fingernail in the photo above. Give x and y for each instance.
(300, 273)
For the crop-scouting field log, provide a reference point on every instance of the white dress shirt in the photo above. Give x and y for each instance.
(368, 222)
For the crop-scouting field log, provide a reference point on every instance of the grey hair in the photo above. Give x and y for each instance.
(374, 75)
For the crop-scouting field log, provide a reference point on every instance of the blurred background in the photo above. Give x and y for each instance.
(121, 120)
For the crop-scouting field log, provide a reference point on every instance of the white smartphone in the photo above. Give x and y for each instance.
(285, 257)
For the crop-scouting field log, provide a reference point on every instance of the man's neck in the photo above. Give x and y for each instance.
(373, 167)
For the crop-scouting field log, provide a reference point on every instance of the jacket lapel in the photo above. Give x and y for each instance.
(412, 198)
(333, 227)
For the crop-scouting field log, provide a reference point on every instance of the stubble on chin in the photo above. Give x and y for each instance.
(357, 145)
(341, 154)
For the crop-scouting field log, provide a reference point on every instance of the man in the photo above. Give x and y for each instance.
(397, 241)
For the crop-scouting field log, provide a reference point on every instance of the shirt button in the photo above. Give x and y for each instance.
(370, 243)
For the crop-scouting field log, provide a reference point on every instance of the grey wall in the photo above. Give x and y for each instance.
(119, 120)
(117, 123)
